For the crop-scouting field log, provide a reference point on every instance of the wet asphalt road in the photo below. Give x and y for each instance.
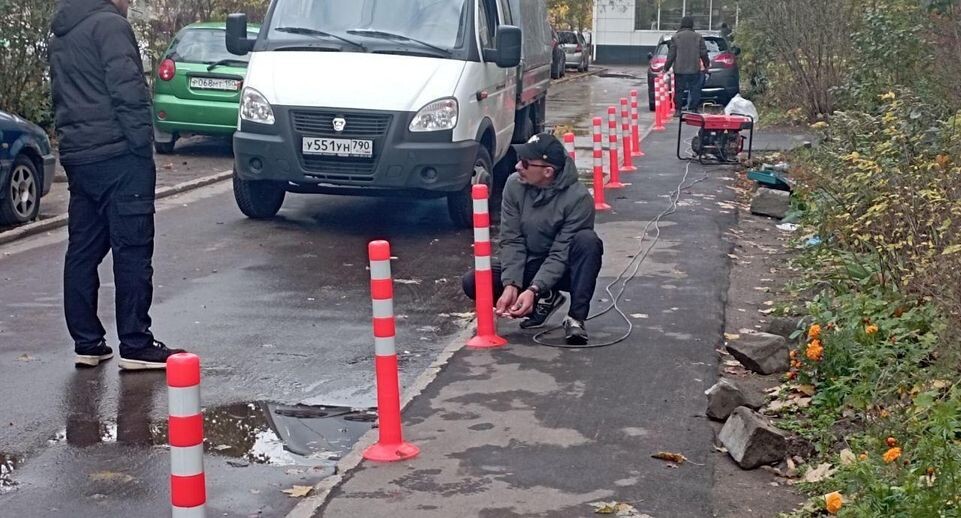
(279, 312)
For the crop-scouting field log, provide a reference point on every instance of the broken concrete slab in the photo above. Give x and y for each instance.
(783, 326)
(771, 202)
(726, 395)
(763, 353)
(751, 441)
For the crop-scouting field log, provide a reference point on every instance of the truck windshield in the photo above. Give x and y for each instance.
(418, 24)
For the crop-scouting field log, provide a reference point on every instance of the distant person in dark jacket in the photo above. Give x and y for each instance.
(547, 241)
(104, 126)
(726, 32)
(690, 61)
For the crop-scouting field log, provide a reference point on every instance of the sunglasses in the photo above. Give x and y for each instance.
(527, 164)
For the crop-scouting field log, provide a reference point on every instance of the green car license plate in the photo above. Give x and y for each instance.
(210, 83)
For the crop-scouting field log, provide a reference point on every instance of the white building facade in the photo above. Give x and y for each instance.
(626, 30)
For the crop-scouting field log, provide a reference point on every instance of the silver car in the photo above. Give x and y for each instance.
(576, 50)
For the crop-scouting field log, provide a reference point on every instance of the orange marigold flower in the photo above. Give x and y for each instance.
(891, 442)
(892, 455)
(814, 351)
(793, 354)
(871, 329)
(833, 502)
(814, 332)
(863, 456)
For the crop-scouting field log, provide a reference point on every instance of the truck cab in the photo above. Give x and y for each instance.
(414, 98)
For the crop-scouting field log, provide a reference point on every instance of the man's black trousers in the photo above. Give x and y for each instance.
(111, 210)
(580, 278)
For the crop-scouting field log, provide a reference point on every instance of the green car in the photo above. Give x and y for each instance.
(197, 87)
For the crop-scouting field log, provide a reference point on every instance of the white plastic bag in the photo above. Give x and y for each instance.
(741, 106)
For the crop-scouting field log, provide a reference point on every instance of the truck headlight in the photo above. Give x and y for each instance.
(255, 108)
(439, 115)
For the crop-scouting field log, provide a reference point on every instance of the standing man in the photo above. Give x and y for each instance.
(547, 241)
(104, 126)
(688, 56)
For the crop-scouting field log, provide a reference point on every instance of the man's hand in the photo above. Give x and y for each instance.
(508, 298)
(524, 305)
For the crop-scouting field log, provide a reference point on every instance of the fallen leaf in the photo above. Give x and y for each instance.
(768, 302)
(618, 508)
(732, 363)
(807, 390)
(731, 336)
(670, 457)
(298, 491)
(24, 358)
(848, 457)
(720, 449)
(639, 315)
(822, 472)
(767, 311)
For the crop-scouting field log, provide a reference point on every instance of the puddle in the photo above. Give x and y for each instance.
(8, 463)
(251, 433)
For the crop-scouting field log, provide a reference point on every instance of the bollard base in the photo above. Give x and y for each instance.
(614, 185)
(600, 207)
(631, 169)
(637, 154)
(486, 342)
(391, 452)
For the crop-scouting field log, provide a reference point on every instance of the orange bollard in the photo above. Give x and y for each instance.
(390, 445)
(185, 425)
(628, 166)
(600, 205)
(659, 103)
(483, 277)
(635, 128)
(615, 181)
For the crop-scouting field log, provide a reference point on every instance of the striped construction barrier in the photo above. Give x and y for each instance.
(188, 491)
(486, 337)
(600, 204)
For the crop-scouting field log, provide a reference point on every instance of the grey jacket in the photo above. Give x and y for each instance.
(687, 48)
(539, 225)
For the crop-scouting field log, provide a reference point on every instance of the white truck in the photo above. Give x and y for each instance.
(387, 98)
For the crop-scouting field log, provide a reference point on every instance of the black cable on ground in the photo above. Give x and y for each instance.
(636, 262)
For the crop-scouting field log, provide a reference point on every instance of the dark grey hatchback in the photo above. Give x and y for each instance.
(724, 81)
(26, 169)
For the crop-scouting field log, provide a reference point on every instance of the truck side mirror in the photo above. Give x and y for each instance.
(508, 43)
(237, 41)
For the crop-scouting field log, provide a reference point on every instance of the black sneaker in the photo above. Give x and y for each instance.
(543, 310)
(92, 356)
(148, 358)
(574, 331)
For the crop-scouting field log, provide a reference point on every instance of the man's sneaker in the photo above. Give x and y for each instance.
(92, 356)
(574, 331)
(152, 357)
(543, 310)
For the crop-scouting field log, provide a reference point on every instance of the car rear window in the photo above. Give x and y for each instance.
(203, 46)
(567, 37)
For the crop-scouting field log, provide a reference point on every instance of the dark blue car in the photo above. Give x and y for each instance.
(26, 169)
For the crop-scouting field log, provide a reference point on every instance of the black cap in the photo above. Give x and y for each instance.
(546, 147)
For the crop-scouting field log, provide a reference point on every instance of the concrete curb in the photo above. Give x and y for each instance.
(61, 220)
(321, 492)
(592, 72)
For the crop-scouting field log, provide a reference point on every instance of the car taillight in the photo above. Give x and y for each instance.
(657, 64)
(725, 59)
(167, 70)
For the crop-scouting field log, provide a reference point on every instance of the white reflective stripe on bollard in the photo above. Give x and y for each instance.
(183, 401)
(189, 512)
(380, 270)
(383, 308)
(384, 346)
(482, 234)
(482, 262)
(187, 461)
(480, 207)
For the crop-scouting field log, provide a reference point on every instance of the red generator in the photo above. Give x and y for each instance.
(719, 138)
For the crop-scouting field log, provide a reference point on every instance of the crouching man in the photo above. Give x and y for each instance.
(547, 241)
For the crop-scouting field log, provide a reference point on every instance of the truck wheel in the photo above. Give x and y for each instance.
(258, 199)
(460, 205)
(21, 200)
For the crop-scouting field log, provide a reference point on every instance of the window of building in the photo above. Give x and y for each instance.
(665, 15)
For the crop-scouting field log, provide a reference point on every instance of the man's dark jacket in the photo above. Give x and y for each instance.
(100, 96)
(688, 52)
